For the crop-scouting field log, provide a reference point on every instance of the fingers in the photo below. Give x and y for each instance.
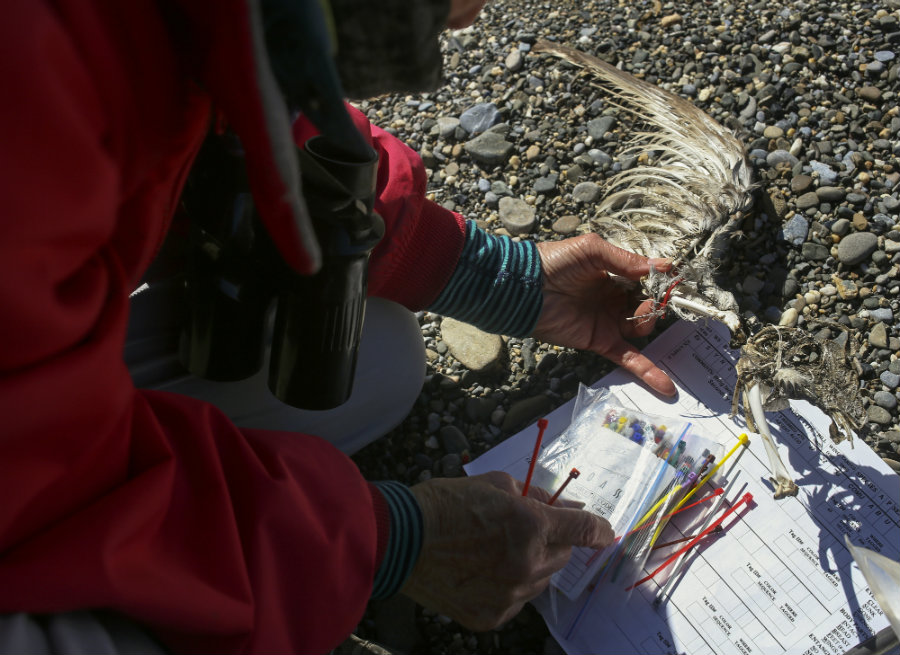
(539, 494)
(642, 323)
(631, 359)
(623, 262)
(573, 527)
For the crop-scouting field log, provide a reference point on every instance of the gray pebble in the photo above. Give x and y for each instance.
(781, 157)
(489, 148)
(546, 184)
(857, 247)
(830, 193)
(500, 188)
(599, 157)
(886, 400)
(752, 285)
(882, 314)
(479, 410)
(451, 465)
(586, 192)
(878, 415)
(814, 252)
(447, 126)
(796, 230)
(827, 175)
(515, 61)
(889, 379)
(598, 127)
(517, 216)
(808, 200)
(878, 336)
(840, 227)
(480, 118)
(453, 440)
(524, 411)
(890, 203)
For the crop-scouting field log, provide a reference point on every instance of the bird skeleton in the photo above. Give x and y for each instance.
(684, 200)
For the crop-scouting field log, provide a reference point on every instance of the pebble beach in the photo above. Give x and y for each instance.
(523, 143)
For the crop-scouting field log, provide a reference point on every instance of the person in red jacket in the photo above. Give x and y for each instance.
(156, 506)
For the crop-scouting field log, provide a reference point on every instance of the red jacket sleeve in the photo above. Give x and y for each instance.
(422, 241)
(155, 505)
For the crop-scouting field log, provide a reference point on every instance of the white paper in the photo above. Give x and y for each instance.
(628, 471)
(780, 579)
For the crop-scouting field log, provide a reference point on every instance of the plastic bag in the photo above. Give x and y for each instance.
(632, 469)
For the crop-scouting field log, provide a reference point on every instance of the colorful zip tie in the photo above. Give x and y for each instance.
(651, 493)
(746, 498)
(743, 440)
(676, 569)
(574, 473)
(716, 530)
(542, 425)
(715, 494)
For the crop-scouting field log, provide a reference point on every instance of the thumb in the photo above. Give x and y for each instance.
(574, 527)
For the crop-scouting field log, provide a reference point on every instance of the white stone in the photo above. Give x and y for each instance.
(789, 317)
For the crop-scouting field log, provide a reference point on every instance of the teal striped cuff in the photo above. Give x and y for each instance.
(496, 286)
(404, 544)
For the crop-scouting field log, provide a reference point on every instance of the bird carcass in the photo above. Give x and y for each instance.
(684, 202)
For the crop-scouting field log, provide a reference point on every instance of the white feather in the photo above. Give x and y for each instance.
(681, 205)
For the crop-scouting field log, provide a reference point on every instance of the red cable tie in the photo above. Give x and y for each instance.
(574, 473)
(542, 425)
(746, 498)
(665, 301)
(714, 494)
(682, 540)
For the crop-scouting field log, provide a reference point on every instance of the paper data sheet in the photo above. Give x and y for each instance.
(779, 579)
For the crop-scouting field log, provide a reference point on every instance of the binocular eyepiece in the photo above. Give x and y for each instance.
(235, 272)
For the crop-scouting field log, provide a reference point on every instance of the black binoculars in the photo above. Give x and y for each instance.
(235, 273)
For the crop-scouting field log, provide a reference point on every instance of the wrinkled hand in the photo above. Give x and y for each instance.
(487, 550)
(584, 308)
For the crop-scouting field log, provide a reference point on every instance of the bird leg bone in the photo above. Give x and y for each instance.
(756, 421)
(730, 319)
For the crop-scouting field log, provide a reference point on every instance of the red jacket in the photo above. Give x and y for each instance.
(218, 539)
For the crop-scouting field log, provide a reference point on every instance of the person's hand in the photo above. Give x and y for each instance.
(487, 550)
(584, 308)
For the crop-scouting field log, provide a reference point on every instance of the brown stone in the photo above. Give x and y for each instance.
(774, 204)
(870, 93)
(567, 225)
(801, 183)
(669, 20)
